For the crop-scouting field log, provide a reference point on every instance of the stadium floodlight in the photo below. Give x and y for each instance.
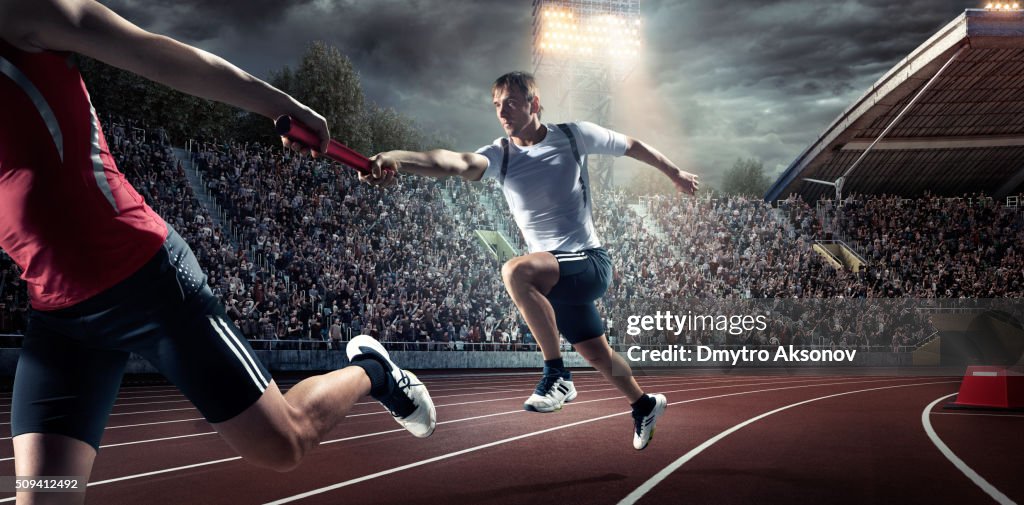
(590, 36)
(580, 49)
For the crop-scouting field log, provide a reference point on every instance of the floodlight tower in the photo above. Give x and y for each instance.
(580, 49)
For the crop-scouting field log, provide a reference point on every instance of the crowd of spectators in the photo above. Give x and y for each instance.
(935, 247)
(331, 257)
(307, 253)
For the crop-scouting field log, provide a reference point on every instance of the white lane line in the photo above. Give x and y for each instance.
(157, 439)
(190, 435)
(140, 412)
(521, 396)
(498, 385)
(178, 395)
(442, 457)
(510, 390)
(149, 403)
(980, 481)
(154, 389)
(151, 411)
(493, 390)
(640, 491)
(526, 377)
(183, 399)
(156, 472)
(129, 404)
(666, 384)
(143, 424)
(154, 423)
(122, 397)
(460, 376)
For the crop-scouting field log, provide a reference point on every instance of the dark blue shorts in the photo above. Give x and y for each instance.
(583, 278)
(71, 361)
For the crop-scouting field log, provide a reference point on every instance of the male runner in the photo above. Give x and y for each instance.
(107, 276)
(543, 173)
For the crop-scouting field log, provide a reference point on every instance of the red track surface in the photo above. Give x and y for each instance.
(866, 444)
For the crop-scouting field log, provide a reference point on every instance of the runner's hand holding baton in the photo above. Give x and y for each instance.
(295, 131)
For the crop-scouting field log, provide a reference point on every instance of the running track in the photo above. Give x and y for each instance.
(725, 439)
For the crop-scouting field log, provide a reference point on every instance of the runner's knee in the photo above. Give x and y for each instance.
(281, 452)
(529, 271)
(270, 434)
(516, 271)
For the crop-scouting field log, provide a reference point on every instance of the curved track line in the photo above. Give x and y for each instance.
(989, 489)
(640, 491)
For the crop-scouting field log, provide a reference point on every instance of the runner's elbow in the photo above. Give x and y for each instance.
(472, 166)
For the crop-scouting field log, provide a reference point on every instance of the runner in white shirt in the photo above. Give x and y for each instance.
(542, 169)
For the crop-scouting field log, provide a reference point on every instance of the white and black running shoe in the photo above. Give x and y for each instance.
(552, 392)
(408, 400)
(643, 426)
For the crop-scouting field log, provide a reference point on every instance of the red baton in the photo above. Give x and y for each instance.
(298, 132)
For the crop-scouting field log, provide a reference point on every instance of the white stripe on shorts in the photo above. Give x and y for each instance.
(566, 260)
(255, 375)
(241, 348)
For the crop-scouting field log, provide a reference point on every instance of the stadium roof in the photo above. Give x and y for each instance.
(965, 133)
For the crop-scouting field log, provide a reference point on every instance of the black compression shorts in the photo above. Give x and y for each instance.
(71, 362)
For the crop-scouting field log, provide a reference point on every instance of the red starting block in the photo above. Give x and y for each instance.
(990, 387)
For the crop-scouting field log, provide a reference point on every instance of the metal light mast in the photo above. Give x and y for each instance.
(580, 49)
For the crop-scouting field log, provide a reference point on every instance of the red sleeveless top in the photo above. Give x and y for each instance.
(68, 217)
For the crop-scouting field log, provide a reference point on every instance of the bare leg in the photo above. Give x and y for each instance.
(278, 430)
(527, 279)
(599, 354)
(52, 455)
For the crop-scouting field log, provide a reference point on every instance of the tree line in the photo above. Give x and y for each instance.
(324, 80)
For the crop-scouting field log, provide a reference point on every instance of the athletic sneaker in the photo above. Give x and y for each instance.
(409, 401)
(553, 391)
(643, 425)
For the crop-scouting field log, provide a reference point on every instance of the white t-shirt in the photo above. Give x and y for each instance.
(547, 191)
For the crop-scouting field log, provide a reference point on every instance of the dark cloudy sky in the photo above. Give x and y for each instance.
(718, 80)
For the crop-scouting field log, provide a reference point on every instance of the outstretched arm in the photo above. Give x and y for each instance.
(437, 163)
(88, 28)
(684, 181)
